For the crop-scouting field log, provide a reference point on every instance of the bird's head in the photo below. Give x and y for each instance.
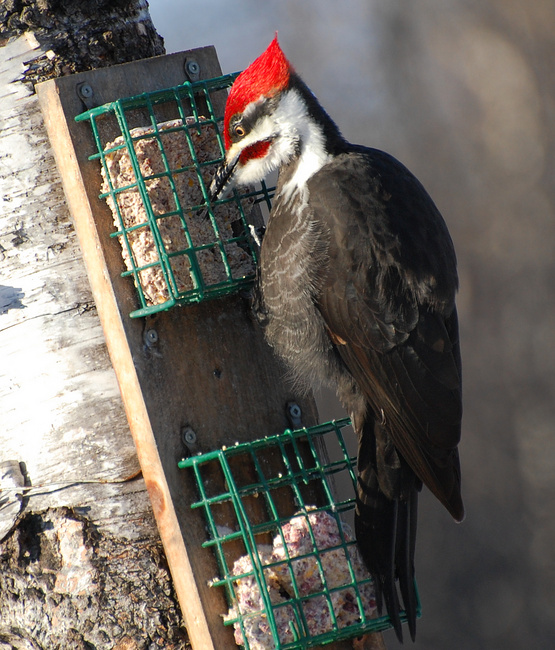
(263, 121)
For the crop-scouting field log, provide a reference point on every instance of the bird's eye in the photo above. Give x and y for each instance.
(239, 130)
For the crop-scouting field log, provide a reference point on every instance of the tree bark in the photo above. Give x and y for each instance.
(81, 563)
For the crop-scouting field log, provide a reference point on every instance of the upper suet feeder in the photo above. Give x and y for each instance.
(156, 169)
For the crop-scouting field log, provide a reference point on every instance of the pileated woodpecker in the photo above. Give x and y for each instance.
(357, 291)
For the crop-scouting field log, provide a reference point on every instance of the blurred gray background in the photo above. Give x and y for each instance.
(462, 92)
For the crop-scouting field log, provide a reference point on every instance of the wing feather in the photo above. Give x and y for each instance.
(389, 298)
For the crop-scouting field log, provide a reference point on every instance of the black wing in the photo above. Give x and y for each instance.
(388, 300)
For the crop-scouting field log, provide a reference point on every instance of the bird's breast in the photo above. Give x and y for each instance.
(294, 262)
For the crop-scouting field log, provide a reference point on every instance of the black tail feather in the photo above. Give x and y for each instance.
(404, 559)
(386, 535)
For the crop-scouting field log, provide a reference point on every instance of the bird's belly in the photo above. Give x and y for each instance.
(294, 325)
(289, 284)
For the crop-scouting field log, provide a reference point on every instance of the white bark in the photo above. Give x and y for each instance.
(59, 399)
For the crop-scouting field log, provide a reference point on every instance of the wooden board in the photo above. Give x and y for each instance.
(209, 368)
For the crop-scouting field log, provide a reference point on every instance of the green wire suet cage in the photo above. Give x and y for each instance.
(165, 147)
(302, 591)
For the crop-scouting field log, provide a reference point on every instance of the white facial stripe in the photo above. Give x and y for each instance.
(265, 130)
(313, 156)
(288, 128)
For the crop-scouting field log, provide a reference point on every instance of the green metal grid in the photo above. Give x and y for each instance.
(190, 99)
(296, 456)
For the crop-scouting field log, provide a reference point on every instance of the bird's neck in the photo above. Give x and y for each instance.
(317, 139)
(334, 142)
(311, 157)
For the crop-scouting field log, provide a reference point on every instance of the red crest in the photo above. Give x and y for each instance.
(267, 75)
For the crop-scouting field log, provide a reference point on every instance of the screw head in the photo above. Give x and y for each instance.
(151, 337)
(294, 413)
(192, 69)
(189, 436)
(295, 410)
(86, 91)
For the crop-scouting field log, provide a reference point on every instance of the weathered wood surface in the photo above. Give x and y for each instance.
(209, 369)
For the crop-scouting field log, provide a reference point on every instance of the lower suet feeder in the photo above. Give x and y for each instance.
(287, 555)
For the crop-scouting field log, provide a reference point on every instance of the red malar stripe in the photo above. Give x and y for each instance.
(256, 150)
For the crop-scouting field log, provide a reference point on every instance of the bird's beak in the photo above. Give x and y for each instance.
(223, 180)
